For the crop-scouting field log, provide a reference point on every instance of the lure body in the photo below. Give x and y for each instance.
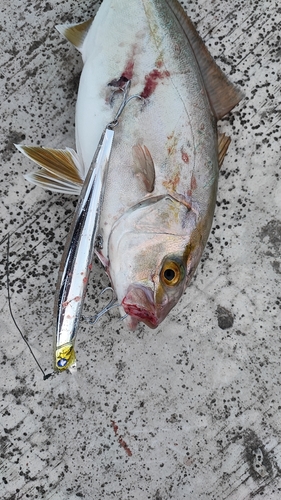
(78, 255)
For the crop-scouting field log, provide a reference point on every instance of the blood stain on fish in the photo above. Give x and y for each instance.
(171, 184)
(152, 80)
(118, 82)
(159, 63)
(128, 71)
(184, 156)
(172, 144)
(126, 75)
(193, 183)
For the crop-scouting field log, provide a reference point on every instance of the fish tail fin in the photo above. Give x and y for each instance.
(222, 94)
(75, 33)
(61, 169)
(223, 144)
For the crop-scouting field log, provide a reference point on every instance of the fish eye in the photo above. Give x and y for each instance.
(171, 273)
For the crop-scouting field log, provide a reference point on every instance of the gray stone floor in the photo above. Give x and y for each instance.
(192, 409)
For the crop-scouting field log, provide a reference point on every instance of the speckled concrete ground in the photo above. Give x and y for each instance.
(191, 410)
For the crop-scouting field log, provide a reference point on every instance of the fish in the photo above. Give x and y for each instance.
(159, 196)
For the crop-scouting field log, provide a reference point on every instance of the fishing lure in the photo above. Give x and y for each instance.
(80, 246)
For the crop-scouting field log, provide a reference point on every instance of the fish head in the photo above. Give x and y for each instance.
(154, 250)
(154, 291)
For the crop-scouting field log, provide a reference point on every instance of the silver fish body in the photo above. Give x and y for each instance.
(161, 187)
(153, 239)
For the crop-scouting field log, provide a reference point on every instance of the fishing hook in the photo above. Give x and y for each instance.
(111, 304)
(124, 317)
(124, 102)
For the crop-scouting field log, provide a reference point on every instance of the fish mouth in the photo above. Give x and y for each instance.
(139, 304)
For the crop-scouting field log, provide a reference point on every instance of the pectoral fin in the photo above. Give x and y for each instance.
(61, 169)
(144, 166)
(223, 144)
(75, 33)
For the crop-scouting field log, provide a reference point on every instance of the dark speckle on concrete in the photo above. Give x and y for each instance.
(272, 233)
(225, 318)
(9, 149)
(256, 456)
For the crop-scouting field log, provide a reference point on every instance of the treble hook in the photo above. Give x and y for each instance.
(111, 304)
(124, 102)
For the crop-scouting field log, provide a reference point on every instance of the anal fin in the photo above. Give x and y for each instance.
(223, 144)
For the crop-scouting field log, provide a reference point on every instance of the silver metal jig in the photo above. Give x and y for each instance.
(79, 250)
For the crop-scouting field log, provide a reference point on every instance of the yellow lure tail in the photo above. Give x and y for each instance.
(65, 357)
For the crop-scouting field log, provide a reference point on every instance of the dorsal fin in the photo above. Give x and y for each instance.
(222, 94)
(75, 33)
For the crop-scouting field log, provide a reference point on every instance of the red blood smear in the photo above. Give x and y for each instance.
(121, 440)
(152, 80)
(125, 446)
(128, 71)
(115, 427)
(137, 312)
(193, 183)
(185, 157)
(159, 63)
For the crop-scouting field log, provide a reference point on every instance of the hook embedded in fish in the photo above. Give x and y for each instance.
(154, 203)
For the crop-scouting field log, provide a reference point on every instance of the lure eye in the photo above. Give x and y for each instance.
(171, 273)
(62, 362)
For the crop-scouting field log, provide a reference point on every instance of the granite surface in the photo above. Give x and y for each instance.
(192, 409)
